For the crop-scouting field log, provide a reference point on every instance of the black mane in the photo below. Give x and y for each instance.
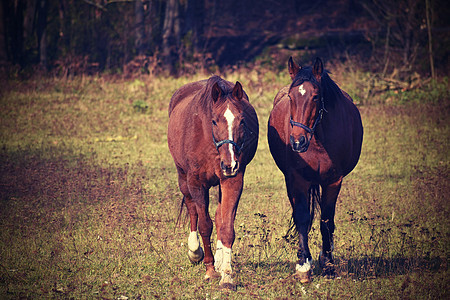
(331, 91)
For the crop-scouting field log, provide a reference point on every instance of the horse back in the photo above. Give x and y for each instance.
(281, 94)
(187, 91)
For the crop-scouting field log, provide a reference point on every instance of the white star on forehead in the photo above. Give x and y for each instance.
(301, 90)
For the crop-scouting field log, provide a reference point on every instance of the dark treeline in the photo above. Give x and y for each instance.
(89, 36)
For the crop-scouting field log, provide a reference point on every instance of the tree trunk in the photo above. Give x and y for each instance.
(13, 22)
(3, 52)
(42, 32)
(430, 41)
(171, 35)
(139, 27)
(194, 22)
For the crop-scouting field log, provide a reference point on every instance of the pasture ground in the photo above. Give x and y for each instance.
(89, 197)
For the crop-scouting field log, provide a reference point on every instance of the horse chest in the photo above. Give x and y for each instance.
(314, 165)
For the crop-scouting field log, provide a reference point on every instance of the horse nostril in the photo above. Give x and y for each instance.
(222, 166)
(236, 167)
(300, 145)
(302, 141)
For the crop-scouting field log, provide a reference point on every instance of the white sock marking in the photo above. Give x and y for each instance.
(226, 261)
(193, 242)
(301, 89)
(230, 118)
(218, 257)
(305, 267)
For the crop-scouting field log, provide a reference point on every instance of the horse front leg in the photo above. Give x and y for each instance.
(297, 191)
(200, 198)
(230, 192)
(328, 208)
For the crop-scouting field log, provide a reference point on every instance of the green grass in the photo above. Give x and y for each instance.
(89, 198)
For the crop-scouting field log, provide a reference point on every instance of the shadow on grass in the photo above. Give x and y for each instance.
(37, 186)
(356, 268)
(60, 176)
(375, 267)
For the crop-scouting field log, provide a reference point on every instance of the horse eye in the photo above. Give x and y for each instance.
(315, 98)
(214, 123)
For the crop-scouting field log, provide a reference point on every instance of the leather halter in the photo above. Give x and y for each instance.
(238, 148)
(316, 122)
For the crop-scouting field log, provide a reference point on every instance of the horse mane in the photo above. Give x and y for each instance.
(205, 99)
(331, 91)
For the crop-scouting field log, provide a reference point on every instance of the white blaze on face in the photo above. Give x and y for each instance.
(230, 118)
(301, 90)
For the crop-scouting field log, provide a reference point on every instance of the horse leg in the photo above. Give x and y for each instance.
(195, 251)
(328, 208)
(231, 190)
(297, 192)
(205, 226)
(218, 257)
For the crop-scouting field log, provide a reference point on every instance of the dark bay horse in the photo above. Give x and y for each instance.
(315, 136)
(212, 135)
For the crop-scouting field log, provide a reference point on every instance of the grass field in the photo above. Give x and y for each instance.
(89, 197)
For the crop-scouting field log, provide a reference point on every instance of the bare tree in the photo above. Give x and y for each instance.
(41, 30)
(171, 34)
(401, 22)
(139, 27)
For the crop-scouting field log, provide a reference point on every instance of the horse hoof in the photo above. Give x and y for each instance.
(228, 287)
(211, 274)
(329, 273)
(304, 277)
(327, 266)
(226, 283)
(196, 256)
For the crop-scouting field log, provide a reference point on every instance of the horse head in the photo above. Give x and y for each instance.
(306, 103)
(228, 126)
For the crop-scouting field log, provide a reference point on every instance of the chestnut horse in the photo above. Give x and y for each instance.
(212, 136)
(315, 136)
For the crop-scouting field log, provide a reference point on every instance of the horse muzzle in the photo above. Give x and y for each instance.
(229, 170)
(299, 145)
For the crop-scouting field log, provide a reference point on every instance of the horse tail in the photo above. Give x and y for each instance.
(313, 198)
(181, 211)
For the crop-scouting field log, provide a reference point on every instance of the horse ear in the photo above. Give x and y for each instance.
(318, 69)
(216, 92)
(293, 68)
(237, 93)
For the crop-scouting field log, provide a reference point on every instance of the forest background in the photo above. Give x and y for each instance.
(69, 37)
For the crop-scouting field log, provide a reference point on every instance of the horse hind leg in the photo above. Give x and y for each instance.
(195, 251)
(218, 256)
(328, 208)
(205, 226)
